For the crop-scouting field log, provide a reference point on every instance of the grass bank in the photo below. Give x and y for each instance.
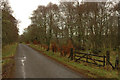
(8, 53)
(86, 69)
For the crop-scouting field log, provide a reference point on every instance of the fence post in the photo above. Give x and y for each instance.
(103, 61)
(71, 53)
(107, 57)
(75, 58)
(116, 62)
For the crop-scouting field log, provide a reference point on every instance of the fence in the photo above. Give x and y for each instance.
(93, 58)
(90, 58)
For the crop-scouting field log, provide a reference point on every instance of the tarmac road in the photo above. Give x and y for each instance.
(32, 64)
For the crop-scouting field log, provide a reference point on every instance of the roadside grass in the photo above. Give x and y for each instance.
(87, 69)
(8, 51)
(8, 62)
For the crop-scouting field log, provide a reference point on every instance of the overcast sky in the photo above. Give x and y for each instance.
(23, 10)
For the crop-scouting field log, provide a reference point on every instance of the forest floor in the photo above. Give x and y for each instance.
(86, 69)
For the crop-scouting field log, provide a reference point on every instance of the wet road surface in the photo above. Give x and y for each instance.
(32, 64)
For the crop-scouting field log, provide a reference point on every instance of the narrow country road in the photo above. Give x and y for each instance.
(32, 64)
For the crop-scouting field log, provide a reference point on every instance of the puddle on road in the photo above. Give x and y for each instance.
(22, 62)
(23, 59)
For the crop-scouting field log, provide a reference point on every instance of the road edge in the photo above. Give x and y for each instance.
(81, 72)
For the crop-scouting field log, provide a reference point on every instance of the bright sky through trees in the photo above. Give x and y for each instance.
(23, 10)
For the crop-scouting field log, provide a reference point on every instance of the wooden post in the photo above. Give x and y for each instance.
(53, 49)
(75, 58)
(116, 62)
(103, 61)
(107, 57)
(71, 53)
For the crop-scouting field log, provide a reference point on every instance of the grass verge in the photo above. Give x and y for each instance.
(86, 69)
(8, 62)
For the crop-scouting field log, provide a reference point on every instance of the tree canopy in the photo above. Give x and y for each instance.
(9, 24)
(90, 25)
